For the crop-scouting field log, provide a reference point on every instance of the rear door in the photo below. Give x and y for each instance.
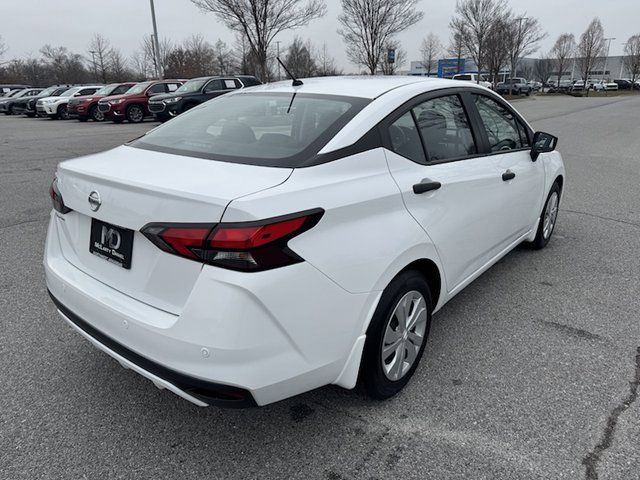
(508, 140)
(462, 215)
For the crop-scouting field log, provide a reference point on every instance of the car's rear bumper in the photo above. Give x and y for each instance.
(199, 392)
(270, 334)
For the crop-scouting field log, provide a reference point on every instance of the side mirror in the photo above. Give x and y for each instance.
(542, 143)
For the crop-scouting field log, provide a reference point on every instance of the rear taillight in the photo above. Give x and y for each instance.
(244, 246)
(56, 198)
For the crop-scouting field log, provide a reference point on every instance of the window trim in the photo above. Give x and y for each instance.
(504, 104)
(462, 93)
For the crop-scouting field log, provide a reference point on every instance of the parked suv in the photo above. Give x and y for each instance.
(134, 105)
(86, 107)
(515, 86)
(7, 103)
(27, 104)
(56, 107)
(473, 77)
(194, 92)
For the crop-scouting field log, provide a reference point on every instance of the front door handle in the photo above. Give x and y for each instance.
(426, 185)
(508, 175)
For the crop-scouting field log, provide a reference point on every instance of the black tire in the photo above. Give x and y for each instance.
(135, 113)
(63, 114)
(528, 92)
(82, 119)
(95, 114)
(541, 239)
(30, 114)
(9, 110)
(372, 375)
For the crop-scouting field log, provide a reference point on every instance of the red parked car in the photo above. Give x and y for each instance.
(86, 107)
(133, 105)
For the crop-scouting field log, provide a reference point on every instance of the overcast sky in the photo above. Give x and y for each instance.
(29, 24)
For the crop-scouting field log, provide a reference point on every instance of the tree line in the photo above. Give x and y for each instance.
(487, 31)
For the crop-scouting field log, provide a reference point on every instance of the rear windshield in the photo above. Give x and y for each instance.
(270, 129)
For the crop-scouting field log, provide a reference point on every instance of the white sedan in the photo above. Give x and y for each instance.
(281, 238)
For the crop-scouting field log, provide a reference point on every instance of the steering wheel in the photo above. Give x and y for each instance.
(506, 144)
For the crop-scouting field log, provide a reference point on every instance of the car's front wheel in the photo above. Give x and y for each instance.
(135, 114)
(548, 218)
(397, 335)
(63, 113)
(95, 114)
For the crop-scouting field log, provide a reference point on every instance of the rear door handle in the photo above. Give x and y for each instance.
(508, 175)
(426, 185)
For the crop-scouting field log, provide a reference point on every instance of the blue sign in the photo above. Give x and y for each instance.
(448, 67)
(391, 55)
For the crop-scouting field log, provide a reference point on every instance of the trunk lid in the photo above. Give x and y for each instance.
(137, 187)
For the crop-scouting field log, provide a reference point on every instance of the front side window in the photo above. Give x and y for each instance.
(503, 129)
(405, 139)
(445, 128)
(270, 129)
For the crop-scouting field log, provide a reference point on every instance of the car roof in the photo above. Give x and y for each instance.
(362, 86)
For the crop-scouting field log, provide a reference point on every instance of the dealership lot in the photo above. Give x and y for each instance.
(526, 375)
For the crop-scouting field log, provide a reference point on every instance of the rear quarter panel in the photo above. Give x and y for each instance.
(366, 235)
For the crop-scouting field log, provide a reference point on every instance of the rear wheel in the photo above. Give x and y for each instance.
(397, 335)
(95, 114)
(135, 114)
(548, 218)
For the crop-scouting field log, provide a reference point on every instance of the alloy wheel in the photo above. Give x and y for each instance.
(404, 335)
(550, 215)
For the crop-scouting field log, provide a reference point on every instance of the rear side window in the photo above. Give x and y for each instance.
(445, 128)
(157, 88)
(503, 129)
(270, 129)
(405, 139)
(87, 91)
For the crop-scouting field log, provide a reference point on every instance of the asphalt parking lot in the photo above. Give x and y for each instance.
(530, 373)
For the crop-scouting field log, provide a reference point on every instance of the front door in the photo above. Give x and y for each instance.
(463, 215)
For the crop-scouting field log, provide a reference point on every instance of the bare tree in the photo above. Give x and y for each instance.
(166, 49)
(562, 52)
(544, 68)
(632, 58)
(259, 21)
(368, 26)
(472, 22)
(65, 66)
(3, 47)
(99, 53)
(201, 56)
(387, 67)
(496, 51)
(590, 47)
(430, 49)
(522, 40)
(326, 64)
(457, 48)
(299, 59)
(119, 70)
(224, 62)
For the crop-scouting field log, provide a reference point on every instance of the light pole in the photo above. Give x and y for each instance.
(606, 57)
(278, 55)
(95, 68)
(155, 40)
